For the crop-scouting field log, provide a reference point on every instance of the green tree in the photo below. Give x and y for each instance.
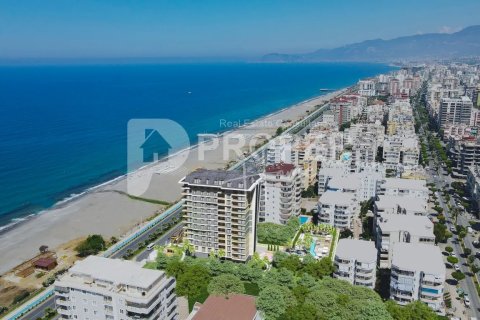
(319, 269)
(249, 273)
(274, 300)
(300, 312)
(225, 285)
(440, 232)
(449, 249)
(90, 246)
(452, 260)
(162, 260)
(175, 267)
(191, 282)
(291, 262)
(467, 251)
(412, 311)
(457, 275)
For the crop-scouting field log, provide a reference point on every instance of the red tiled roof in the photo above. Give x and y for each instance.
(236, 307)
(281, 167)
(45, 262)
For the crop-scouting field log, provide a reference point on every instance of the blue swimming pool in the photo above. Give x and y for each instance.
(303, 219)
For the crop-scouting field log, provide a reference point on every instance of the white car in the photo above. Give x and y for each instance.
(457, 268)
(466, 299)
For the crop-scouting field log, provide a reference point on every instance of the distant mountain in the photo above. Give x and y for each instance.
(419, 47)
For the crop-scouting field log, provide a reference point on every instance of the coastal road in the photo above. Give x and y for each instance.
(39, 311)
(144, 237)
(163, 240)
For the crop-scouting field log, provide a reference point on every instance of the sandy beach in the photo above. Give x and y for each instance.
(107, 212)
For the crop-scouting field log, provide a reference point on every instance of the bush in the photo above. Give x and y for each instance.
(20, 297)
(92, 245)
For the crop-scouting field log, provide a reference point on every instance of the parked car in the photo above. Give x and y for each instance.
(457, 268)
(466, 299)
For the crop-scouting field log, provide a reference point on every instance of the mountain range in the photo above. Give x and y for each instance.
(463, 43)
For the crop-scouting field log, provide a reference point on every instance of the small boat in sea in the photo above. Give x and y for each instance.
(324, 89)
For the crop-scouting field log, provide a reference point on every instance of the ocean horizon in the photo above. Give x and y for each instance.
(63, 127)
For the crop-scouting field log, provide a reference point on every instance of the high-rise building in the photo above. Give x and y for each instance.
(100, 288)
(221, 209)
(282, 187)
(455, 111)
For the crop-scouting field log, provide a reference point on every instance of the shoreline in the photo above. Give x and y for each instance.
(14, 222)
(101, 209)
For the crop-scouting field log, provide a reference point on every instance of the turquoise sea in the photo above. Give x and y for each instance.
(63, 127)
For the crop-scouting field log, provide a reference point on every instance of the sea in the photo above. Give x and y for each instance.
(63, 127)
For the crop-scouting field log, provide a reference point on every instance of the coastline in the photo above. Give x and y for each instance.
(102, 209)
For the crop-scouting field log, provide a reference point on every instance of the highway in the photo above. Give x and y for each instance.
(39, 311)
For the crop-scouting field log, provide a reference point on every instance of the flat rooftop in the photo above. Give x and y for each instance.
(360, 250)
(221, 179)
(415, 225)
(418, 257)
(116, 271)
(336, 197)
(405, 184)
(406, 202)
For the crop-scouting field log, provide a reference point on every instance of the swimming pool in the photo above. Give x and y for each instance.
(303, 219)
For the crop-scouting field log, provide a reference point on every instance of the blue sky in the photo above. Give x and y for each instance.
(214, 28)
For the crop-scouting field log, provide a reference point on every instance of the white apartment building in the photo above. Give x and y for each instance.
(279, 150)
(403, 187)
(329, 170)
(221, 211)
(100, 288)
(401, 150)
(356, 262)
(366, 88)
(391, 229)
(337, 209)
(455, 111)
(418, 273)
(282, 187)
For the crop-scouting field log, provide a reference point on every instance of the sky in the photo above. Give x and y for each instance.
(214, 28)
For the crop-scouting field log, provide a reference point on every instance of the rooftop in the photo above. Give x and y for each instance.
(115, 271)
(337, 198)
(415, 225)
(236, 307)
(405, 184)
(280, 168)
(418, 257)
(359, 250)
(221, 179)
(406, 202)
